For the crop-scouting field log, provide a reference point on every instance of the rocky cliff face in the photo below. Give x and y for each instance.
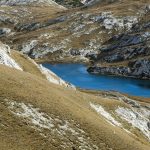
(137, 69)
(127, 54)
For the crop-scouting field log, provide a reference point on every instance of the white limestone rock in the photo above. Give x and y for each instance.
(27, 47)
(4, 31)
(138, 119)
(6, 59)
(100, 110)
(109, 21)
(53, 78)
(55, 126)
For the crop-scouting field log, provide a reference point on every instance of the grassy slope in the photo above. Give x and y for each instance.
(52, 99)
(26, 63)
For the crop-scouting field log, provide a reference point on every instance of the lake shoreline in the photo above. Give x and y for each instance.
(114, 93)
(87, 64)
(130, 86)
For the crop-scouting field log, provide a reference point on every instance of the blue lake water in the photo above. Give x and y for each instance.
(77, 75)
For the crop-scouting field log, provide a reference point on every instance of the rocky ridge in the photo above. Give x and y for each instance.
(126, 54)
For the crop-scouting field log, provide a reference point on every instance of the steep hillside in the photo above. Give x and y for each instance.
(85, 34)
(21, 62)
(39, 110)
(128, 53)
(42, 115)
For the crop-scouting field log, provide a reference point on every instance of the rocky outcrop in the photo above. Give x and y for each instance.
(4, 31)
(53, 78)
(137, 118)
(126, 54)
(140, 68)
(135, 113)
(136, 69)
(37, 25)
(70, 3)
(120, 71)
(109, 21)
(94, 2)
(6, 59)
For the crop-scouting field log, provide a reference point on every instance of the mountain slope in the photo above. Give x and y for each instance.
(48, 113)
(30, 2)
(84, 34)
(41, 111)
(21, 62)
(20, 108)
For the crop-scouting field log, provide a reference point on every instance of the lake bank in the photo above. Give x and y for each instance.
(77, 74)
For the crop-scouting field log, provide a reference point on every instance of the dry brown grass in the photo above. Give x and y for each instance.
(52, 99)
(26, 63)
